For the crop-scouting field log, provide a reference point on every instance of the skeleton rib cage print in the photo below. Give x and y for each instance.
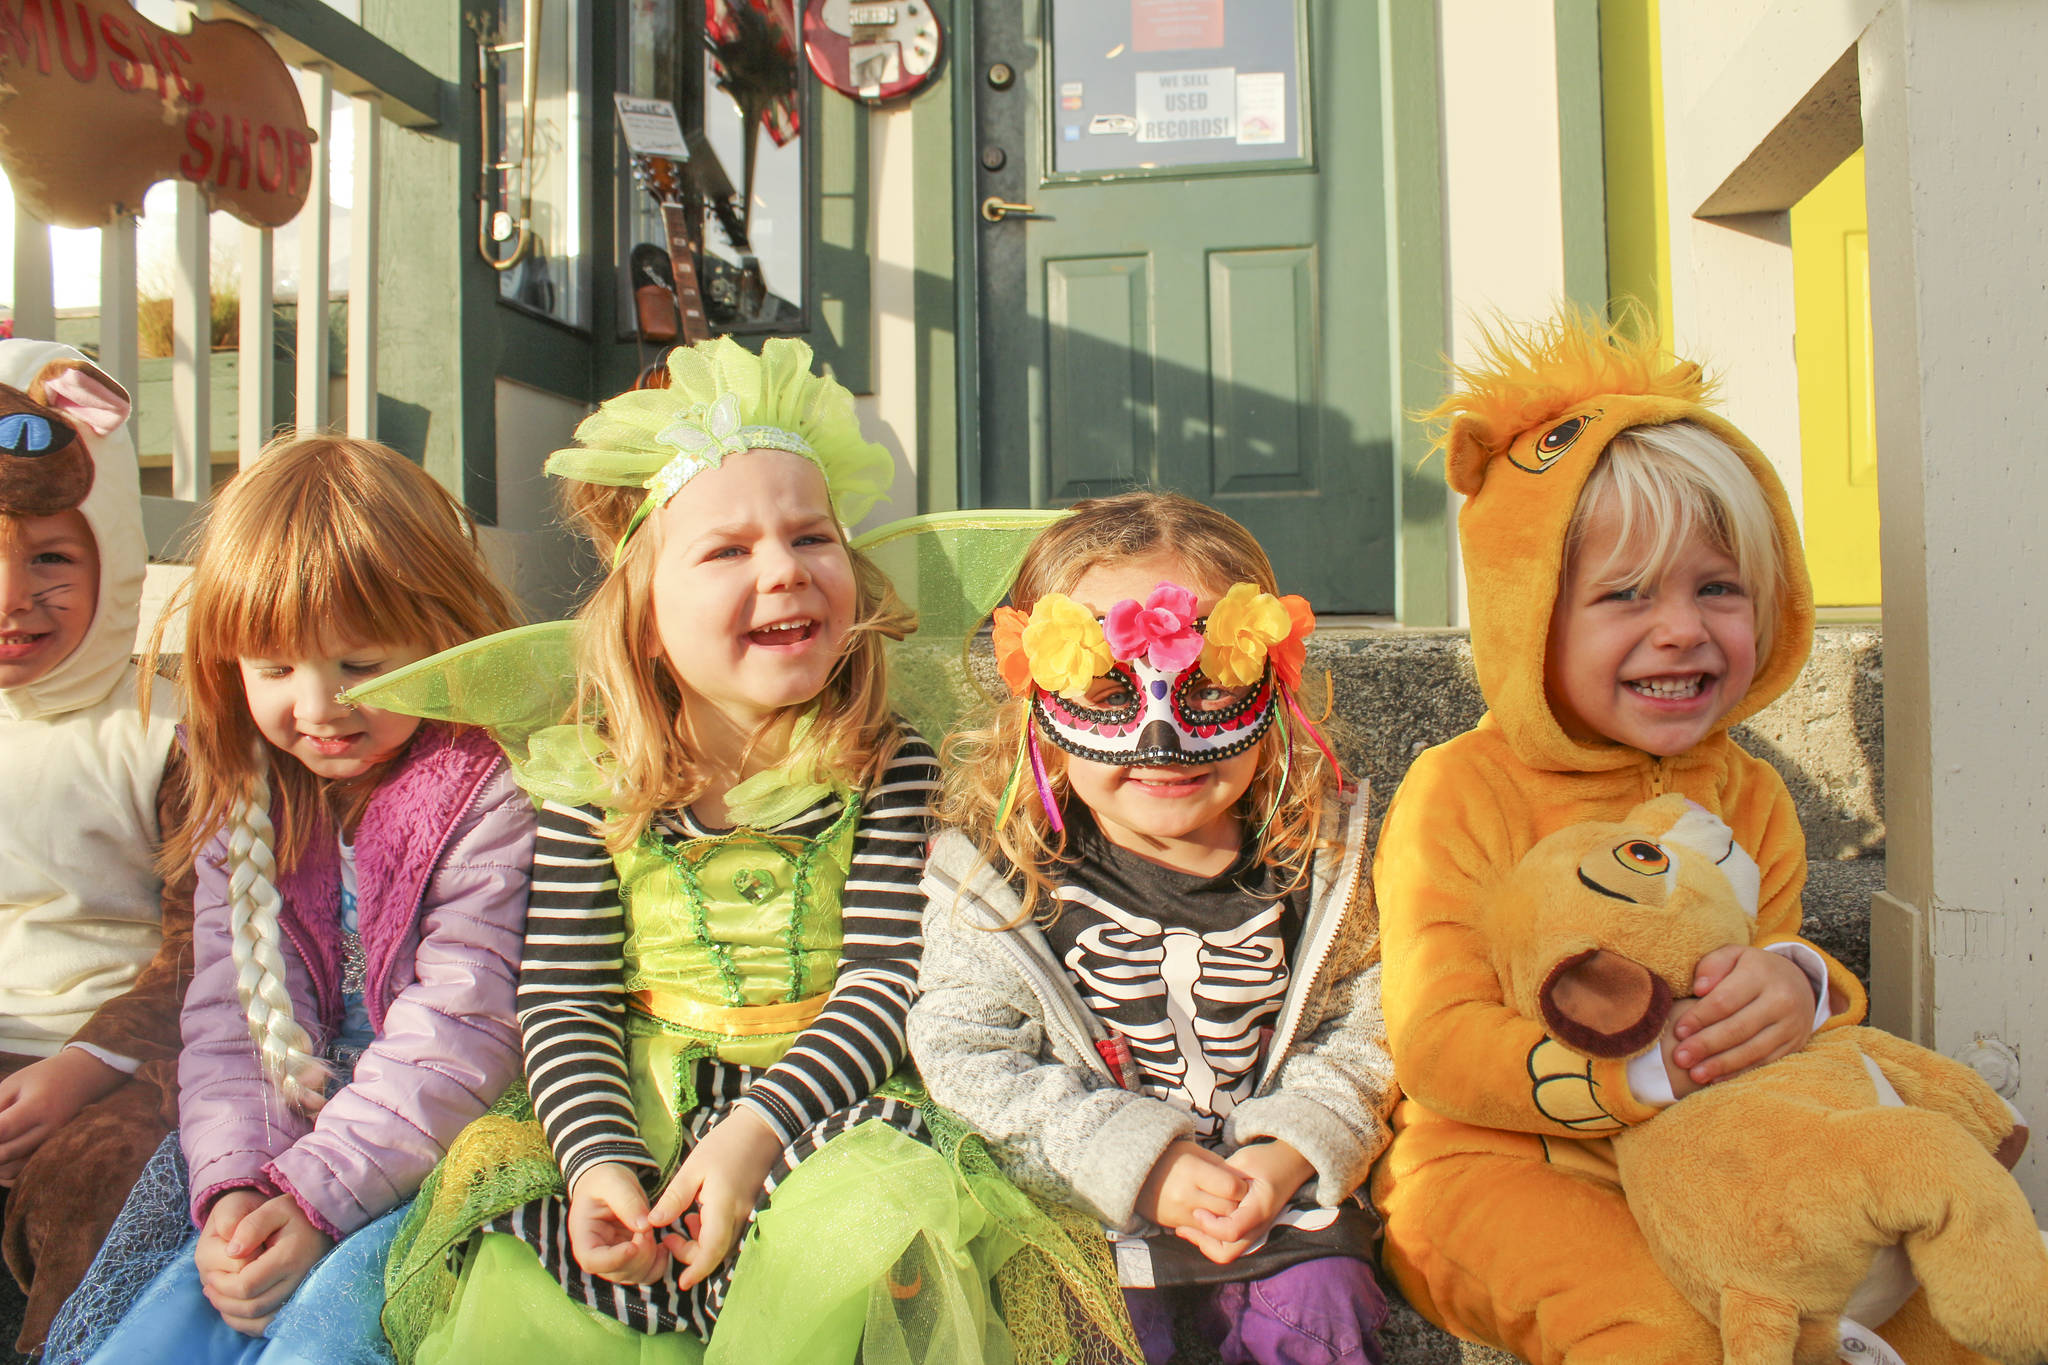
(1195, 1008)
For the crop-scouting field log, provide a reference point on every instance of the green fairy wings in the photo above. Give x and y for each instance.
(951, 568)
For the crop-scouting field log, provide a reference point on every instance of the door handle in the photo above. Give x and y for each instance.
(995, 208)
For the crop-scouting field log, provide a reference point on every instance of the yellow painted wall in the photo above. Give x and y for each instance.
(1837, 417)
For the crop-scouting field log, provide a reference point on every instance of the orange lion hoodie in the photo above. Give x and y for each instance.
(1524, 432)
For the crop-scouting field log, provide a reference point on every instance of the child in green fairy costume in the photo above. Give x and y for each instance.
(723, 934)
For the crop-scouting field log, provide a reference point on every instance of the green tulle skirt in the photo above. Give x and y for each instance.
(876, 1247)
(866, 1251)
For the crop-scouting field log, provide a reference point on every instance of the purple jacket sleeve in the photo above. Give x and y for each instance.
(449, 1046)
(229, 1119)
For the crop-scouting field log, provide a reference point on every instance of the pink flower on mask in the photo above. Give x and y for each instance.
(1161, 631)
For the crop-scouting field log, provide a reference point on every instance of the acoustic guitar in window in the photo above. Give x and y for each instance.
(662, 178)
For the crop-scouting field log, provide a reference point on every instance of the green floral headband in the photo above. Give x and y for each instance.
(723, 400)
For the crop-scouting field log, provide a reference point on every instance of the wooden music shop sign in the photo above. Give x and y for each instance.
(97, 104)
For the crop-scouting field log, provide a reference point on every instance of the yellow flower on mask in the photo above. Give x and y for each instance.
(1066, 646)
(1242, 629)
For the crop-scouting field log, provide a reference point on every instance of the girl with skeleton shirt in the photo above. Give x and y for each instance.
(1154, 989)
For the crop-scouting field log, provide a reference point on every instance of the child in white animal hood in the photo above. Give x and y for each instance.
(95, 950)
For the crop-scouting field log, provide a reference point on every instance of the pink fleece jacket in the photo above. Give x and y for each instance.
(443, 858)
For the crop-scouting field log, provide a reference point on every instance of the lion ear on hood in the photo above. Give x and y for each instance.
(83, 393)
(1465, 455)
(1683, 375)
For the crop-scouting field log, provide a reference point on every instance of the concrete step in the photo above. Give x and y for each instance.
(1400, 691)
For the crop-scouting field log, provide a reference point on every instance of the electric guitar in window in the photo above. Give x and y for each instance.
(873, 50)
(662, 178)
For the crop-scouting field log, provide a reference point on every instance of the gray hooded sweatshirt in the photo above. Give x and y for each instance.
(1003, 1039)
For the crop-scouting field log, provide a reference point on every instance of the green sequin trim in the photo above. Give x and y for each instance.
(801, 898)
(700, 911)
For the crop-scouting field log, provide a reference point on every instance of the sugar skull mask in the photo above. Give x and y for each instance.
(1151, 683)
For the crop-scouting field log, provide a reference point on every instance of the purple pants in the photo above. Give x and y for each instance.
(1319, 1312)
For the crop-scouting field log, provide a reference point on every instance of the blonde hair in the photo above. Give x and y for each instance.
(635, 707)
(1667, 484)
(322, 538)
(1216, 552)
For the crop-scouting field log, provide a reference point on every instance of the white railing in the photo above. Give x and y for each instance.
(191, 363)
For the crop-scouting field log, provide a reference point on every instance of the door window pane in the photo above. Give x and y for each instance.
(1176, 86)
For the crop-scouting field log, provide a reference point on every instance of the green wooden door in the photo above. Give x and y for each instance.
(1206, 313)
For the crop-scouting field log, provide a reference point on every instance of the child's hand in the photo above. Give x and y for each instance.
(1754, 1007)
(608, 1229)
(713, 1190)
(41, 1098)
(1667, 1043)
(250, 1266)
(1189, 1177)
(1276, 1172)
(210, 1253)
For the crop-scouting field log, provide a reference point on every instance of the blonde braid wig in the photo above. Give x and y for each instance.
(254, 907)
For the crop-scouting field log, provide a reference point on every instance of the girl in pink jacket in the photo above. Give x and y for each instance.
(362, 884)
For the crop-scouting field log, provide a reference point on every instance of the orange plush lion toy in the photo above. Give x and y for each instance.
(1766, 1197)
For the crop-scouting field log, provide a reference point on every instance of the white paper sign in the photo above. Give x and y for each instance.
(650, 127)
(1261, 108)
(1187, 106)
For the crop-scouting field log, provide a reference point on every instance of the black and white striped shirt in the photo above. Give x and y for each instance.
(572, 999)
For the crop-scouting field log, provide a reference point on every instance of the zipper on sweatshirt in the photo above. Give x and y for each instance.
(1063, 1009)
(1656, 776)
(1326, 917)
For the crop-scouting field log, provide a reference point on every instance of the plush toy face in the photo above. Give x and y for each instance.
(1600, 925)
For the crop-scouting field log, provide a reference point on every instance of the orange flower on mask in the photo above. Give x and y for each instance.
(1007, 636)
(1063, 647)
(1243, 629)
(1291, 653)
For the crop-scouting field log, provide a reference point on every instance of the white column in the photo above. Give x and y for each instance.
(257, 349)
(120, 341)
(362, 271)
(191, 350)
(35, 308)
(314, 226)
(1955, 122)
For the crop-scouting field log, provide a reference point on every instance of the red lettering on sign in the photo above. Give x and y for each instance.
(195, 167)
(1176, 25)
(156, 63)
(122, 68)
(298, 156)
(190, 90)
(81, 68)
(270, 167)
(97, 103)
(233, 152)
(17, 27)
